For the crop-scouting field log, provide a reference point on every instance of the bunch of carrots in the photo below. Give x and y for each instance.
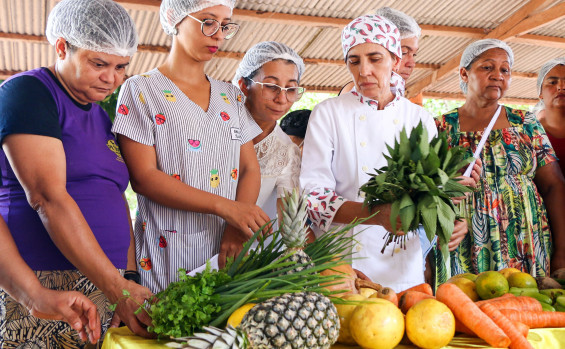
(501, 322)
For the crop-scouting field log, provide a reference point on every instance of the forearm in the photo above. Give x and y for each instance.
(131, 264)
(70, 232)
(351, 210)
(555, 205)
(248, 186)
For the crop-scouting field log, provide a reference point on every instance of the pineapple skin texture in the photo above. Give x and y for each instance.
(292, 321)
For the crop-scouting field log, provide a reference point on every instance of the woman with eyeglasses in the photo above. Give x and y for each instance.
(269, 76)
(186, 140)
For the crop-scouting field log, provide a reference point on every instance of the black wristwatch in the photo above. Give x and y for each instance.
(132, 275)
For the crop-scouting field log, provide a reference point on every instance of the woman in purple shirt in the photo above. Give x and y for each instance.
(63, 176)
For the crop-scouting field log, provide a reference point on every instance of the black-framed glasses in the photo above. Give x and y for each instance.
(271, 91)
(211, 26)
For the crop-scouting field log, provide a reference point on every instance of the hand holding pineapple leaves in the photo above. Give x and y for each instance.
(419, 181)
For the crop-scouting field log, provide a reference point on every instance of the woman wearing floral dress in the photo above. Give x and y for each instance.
(520, 189)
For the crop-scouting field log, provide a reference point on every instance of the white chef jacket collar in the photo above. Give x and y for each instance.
(396, 87)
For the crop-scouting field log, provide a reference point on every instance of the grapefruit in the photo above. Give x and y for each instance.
(345, 311)
(468, 287)
(430, 324)
(377, 325)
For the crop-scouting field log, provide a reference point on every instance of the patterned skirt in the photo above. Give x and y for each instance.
(18, 329)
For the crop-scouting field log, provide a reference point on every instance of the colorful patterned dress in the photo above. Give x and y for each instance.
(508, 224)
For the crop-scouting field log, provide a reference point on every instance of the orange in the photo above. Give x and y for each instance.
(430, 324)
(467, 286)
(468, 276)
(491, 284)
(522, 280)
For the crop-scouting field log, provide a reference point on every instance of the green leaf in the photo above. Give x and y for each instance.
(125, 293)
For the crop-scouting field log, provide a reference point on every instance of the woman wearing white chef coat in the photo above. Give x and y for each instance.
(345, 140)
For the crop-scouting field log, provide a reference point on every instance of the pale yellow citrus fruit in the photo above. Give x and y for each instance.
(522, 280)
(430, 324)
(491, 284)
(344, 312)
(236, 317)
(366, 292)
(377, 325)
(467, 286)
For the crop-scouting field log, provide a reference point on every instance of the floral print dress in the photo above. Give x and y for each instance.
(508, 224)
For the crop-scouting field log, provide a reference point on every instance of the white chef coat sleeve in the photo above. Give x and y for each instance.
(289, 177)
(429, 123)
(316, 175)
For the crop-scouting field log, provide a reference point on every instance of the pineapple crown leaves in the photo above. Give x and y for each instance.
(419, 181)
(294, 216)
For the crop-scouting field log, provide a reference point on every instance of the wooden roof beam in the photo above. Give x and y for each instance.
(461, 97)
(540, 40)
(453, 63)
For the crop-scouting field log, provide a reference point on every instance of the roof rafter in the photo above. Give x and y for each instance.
(499, 32)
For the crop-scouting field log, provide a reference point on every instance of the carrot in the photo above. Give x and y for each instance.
(388, 294)
(536, 319)
(424, 288)
(460, 327)
(518, 341)
(521, 303)
(410, 298)
(497, 299)
(471, 316)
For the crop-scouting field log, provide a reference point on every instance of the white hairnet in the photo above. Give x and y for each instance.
(264, 52)
(95, 25)
(406, 25)
(546, 68)
(477, 48)
(172, 12)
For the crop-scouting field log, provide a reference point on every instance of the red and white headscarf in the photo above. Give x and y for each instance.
(371, 29)
(377, 30)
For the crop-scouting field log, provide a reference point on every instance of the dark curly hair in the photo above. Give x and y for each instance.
(295, 122)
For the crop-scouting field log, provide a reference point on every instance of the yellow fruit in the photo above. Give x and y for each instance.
(509, 271)
(344, 311)
(430, 324)
(377, 325)
(491, 284)
(236, 317)
(468, 276)
(366, 292)
(522, 280)
(467, 286)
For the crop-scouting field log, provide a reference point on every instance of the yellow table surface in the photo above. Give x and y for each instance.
(547, 338)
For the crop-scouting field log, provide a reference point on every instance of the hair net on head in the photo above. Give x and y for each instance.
(546, 68)
(264, 52)
(296, 122)
(95, 25)
(371, 29)
(406, 25)
(172, 12)
(477, 48)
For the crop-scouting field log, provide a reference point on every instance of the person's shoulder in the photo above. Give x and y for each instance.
(520, 116)
(282, 137)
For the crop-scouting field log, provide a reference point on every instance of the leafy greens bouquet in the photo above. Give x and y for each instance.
(420, 181)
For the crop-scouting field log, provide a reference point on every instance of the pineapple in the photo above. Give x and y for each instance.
(290, 321)
(294, 230)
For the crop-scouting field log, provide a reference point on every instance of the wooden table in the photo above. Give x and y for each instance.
(548, 338)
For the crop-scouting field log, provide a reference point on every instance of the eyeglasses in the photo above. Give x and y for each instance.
(211, 26)
(271, 91)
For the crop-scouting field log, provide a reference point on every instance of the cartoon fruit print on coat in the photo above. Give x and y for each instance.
(160, 119)
(194, 145)
(141, 97)
(123, 109)
(214, 178)
(162, 242)
(233, 174)
(225, 98)
(145, 263)
(169, 96)
(225, 116)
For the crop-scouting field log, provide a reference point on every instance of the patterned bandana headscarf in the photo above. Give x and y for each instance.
(377, 30)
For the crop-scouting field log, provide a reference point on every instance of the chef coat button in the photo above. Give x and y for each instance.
(359, 248)
(362, 117)
(396, 121)
(363, 144)
(362, 194)
(365, 168)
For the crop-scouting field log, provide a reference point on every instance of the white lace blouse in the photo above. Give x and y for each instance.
(279, 159)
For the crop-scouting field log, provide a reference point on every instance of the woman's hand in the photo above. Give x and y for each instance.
(126, 307)
(232, 244)
(69, 306)
(470, 181)
(245, 217)
(459, 232)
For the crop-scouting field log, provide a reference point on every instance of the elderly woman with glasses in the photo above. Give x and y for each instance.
(346, 139)
(186, 139)
(269, 77)
(515, 215)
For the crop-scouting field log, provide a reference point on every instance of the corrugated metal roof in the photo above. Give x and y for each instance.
(28, 17)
